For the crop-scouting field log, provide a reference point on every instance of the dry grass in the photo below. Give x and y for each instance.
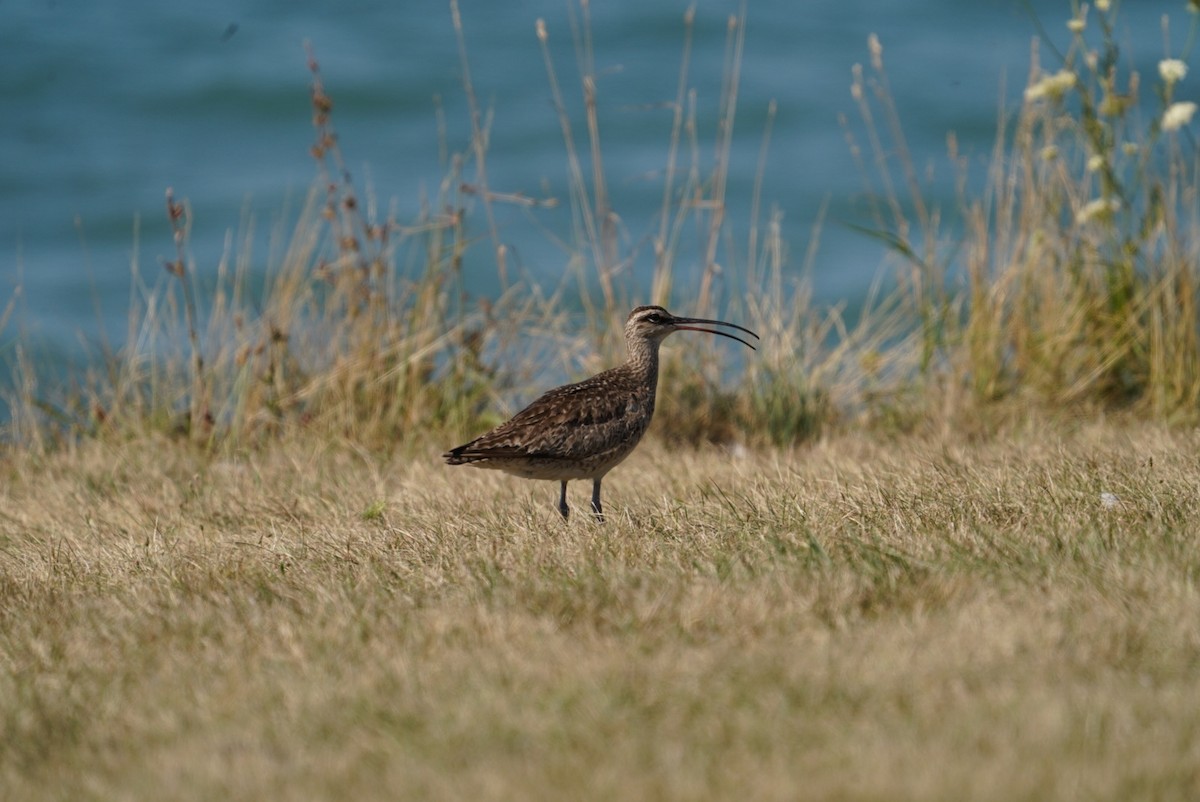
(1070, 281)
(924, 619)
(217, 580)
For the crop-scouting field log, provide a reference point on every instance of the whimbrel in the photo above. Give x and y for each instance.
(584, 430)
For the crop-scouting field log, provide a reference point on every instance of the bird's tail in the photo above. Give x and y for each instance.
(458, 456)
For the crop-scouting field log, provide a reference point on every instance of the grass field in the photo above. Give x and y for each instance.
(916, 619)
(946, 551)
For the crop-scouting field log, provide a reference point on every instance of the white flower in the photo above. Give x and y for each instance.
(1172, 70)
(1049, 153)
(1099, 209)
(1051, 86)
(1077, 24)
(1095, 162)
(1103, 5)
(876, 51)
(1178, 115)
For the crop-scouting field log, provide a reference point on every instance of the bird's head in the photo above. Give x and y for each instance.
(653, 324)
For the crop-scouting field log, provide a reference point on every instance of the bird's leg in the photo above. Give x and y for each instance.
(596, 501)
(562, 503)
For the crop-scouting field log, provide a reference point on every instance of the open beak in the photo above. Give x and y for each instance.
(689, 324)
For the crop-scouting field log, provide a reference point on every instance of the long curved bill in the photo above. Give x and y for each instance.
(688, 323)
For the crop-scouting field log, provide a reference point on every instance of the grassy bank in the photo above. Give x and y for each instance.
(919, 620)
(1068, 279)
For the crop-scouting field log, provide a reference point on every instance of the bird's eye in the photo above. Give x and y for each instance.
(655, 318)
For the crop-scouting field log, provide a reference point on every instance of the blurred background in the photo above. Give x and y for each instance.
(105, 107)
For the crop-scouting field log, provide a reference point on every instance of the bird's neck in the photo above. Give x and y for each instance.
(643, 359)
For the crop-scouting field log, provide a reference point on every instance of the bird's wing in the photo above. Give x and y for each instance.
(568, 422)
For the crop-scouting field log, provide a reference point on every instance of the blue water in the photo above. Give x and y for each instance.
(105, 107)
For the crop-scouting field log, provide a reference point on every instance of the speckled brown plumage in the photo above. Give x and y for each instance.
(584, 430)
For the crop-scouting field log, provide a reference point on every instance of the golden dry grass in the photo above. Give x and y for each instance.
(918, 619)
(212, 586)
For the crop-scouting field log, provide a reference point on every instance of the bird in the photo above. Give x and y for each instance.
(584, 430)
